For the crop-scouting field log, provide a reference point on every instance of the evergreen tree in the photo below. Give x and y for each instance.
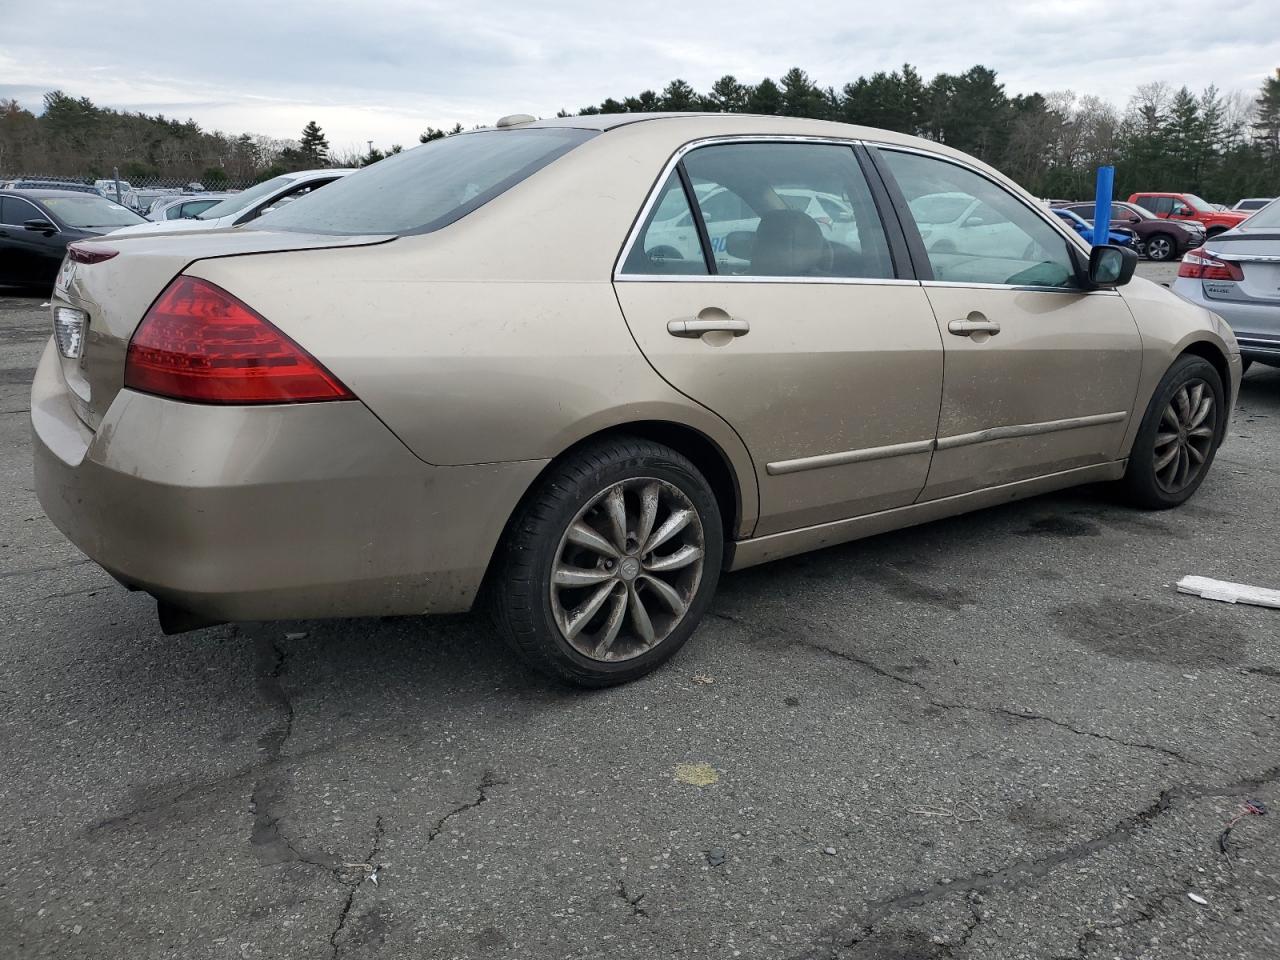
(800, 98)
(313, 146)
(765, 97)
(727, 96)
(1266, 126)
(678, 97)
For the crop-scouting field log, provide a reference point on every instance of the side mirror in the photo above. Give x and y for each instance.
(39, 225)
(1134, 218)
(1111, 266)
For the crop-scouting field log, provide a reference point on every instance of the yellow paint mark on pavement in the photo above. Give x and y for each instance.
(697, 774)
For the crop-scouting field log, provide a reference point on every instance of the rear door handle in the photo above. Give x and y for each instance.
(967, 328)
(696, 328)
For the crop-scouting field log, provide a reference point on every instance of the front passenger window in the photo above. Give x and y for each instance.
(975, 231)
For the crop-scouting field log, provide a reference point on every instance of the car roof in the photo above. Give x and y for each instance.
(34, 193)
(768, 124)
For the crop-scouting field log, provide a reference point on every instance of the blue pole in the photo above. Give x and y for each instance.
(1102, 205)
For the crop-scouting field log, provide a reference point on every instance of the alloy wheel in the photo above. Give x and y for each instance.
(627, 569)
(1159, 248)
(1184, 438)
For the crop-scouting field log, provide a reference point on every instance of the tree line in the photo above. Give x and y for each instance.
(1220, 145)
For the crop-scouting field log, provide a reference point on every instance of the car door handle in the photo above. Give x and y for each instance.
(696, 328)
(967, 328)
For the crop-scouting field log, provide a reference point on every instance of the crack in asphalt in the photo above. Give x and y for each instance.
(368, 868)
(637, 911)
(982, 881)
(948, 705)
(486, 783)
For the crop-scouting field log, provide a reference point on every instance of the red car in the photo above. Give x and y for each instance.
(1187, 206)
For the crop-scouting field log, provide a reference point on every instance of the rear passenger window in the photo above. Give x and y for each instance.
(668, 242)
(788, 210)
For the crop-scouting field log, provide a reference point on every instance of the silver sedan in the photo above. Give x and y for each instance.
(1237, 275)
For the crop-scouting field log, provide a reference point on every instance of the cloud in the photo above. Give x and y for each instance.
(385, 69)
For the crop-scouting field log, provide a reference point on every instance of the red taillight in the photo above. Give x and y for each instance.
(85, 253)
(1197, 264)
(199, 343)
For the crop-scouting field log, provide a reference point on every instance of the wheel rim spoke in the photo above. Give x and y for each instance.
(613, 625)
(615, 508)
(1166, 458)
(1164, 439)
(1170, 417)
(1195, 454)
(585, 536)
(649, 498)
(582, 615)
(676, 522)
(674, 561)
(1202, 411)
(566, 576)
(666, 593)
(639, 616)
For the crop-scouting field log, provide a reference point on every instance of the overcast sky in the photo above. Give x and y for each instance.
(385, 69)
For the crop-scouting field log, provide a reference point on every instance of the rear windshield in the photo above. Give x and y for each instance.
(428, 187)
(88, 212)
(247, 198)
(1267, 217)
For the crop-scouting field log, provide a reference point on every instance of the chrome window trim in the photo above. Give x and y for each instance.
(721, 278)
(652, 199)
(1021, 288)
(783, 467)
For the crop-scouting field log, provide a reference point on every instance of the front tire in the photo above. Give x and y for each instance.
(1160, 247)
(610, 564)
(1179, 436)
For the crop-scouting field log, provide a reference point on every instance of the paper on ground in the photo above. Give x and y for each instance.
(1229, 592)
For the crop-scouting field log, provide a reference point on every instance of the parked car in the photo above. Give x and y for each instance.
(1120, 236)
(37, 184)
(1157, 239)
(141, 199)
(37, 225)
(476, 362)
(1187, 206)
(108, 188)
(247, 205)
(1250, 204)
(185, 206)
(1237, 276)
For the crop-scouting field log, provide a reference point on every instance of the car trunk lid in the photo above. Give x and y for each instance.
(1257, 256)
(116, 292)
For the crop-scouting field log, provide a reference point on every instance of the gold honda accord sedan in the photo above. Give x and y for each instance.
(580, 367)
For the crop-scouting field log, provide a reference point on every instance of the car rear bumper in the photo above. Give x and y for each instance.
(267, 512)
(1256, 325)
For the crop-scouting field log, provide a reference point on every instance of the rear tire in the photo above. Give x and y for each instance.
(593, 587)
(1179, 436)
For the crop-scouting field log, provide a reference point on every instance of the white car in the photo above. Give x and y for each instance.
(245, 206)
(1250, 204)
(957, 221)
(727, 214)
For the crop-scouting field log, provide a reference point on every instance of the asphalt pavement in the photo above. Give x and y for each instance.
(1004, 735)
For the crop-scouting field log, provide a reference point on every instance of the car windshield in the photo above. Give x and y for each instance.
(1197, 202)
(939, 208)
(246, 199)
(428, 187)
(88, 212)
(1267, 218)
